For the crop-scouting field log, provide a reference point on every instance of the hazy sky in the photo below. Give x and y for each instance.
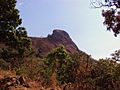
(83, 23)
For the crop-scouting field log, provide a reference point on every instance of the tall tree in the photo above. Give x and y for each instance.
(60, 63)
(14, 37)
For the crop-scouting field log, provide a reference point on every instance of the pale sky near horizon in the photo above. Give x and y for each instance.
(84, 24)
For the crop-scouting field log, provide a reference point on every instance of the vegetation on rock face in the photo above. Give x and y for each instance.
(15, 39)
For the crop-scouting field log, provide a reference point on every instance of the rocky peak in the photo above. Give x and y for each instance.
(58, 37)
(60, 34)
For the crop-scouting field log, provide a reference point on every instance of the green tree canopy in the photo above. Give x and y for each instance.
(14, 37)
(60, 62)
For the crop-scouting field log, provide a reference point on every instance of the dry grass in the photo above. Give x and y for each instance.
(4, 73)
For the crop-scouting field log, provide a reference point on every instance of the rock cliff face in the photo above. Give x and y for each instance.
(58, 37)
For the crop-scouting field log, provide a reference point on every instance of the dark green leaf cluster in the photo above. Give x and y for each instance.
(112, 20)
(116, 55)
(9, 17)
(111, 14)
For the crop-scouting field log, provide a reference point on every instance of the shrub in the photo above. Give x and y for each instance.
(31, 68)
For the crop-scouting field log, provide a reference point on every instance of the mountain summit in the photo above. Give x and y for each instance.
(58, 37)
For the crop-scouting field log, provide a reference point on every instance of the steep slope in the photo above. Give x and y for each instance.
(58, 37)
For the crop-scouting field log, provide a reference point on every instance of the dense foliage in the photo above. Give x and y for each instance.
(16, 43)
(60, 63)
